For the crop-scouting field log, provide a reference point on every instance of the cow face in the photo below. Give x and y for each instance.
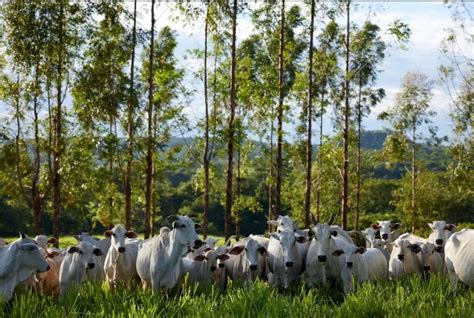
(84, 254)
(385, 230)
(378, 243)
(283, 223)
(185, 230)
(43, 241)
(369, 233)
(349, 252)
(441, 233)
(118, 235)
(403, 247)
(427, 251)
(252, 249)
(29, 255)
(322, 234)
(221, 256)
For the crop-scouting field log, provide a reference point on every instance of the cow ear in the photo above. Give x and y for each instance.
(300, 239)
(361, 250)
(450, 227)
(395, 226)
(223, 257)
(338, 252)
(52, 240)
(200, 258)
(108, 233)
(415, 248)
(197, 226)
(236, 250)
(431, 226)
(131, 234)
(52, 254)
(334, 233)
(262, 250)
(175, 225)
(72, 250)
(375, 226)
(97, 252)
(207, 249)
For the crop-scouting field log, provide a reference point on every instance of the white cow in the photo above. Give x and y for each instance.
(431, 261)
(286, 258)
(353, 265)
(459, 257)
(77, 264)
(202, 267)
(389, 231)
(120, 262)
(441, 233)
(404, 260)
(159, 260)
(284, 222)
(369, 235)
(43, 241)
(381, 246)
(18, 261)
(377, 263)
(97, 273)
(247, 260)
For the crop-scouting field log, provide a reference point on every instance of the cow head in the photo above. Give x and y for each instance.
(28, 255)
(117, 237)
(427, 252)
(185, 231)
(252, 250)
(349, 252)
(43, 241)
(369, 233)
(283, 222)
(403, 247)
(322, 234)
(378, 243)
(386, 228)
(222, 256)
(441, 233)
(288, 241)
(83, 254)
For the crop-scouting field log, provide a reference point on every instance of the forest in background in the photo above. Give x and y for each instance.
(95, 120)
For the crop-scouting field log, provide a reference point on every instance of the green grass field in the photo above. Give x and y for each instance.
(406, 298)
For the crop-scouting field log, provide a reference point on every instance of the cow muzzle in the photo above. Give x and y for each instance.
(349, 265)
(213, 268)
(401, 257)
(221, 265)
(90, 265)
(322, 258)
(198, 244)
(426, 268)
(384, 236)
(121, 249)
(253, 267)
(439, 242)
(289, 264)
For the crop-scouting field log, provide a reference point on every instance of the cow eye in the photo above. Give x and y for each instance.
(79, 251)
(183, 225)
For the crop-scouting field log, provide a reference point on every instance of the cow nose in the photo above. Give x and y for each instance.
(322, 258)
(253, 267)
(385, 236)
(121, 249)
(90, 265)
(198, 244)
(401, 257)
(213, 268)
(289, 264)
(349, 264)
(221, 265)
(439, 241)
(426, 268)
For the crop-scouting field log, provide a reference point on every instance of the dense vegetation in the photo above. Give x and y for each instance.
(96, 133)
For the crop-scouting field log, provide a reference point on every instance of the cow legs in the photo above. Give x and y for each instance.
(451, 272)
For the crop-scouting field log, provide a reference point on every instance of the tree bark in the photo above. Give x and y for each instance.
(150, 148)
(413, 176)
(359, 160)
(320, 159)
(271, 215)
(309, 146)
(58, 145)
(345, 169)
(130, 127)
(279, 158)
(230, 144)
(35, 192)
(206, 133)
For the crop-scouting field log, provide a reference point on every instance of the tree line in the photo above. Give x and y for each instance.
(94, 101)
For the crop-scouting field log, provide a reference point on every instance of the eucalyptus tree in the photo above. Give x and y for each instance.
(368, 51)
(410, 111)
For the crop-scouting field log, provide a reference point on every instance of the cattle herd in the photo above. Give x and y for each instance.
(324, 253)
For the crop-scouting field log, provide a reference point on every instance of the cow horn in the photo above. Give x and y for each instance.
(172, 218)
(331, 219)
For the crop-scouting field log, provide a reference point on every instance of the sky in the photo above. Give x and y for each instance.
(428, 22)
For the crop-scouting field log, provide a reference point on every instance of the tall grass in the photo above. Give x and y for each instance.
(412, 297)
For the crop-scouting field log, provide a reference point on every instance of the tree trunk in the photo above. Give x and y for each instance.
(130, 127)
(345, 169)
(150, 148)
(413, 177)
(58, 145)
(35, 192)
(279, 158)
(309, 146)
(320, 159)
(237, 192)
(271, 215)
(111, 167)
(359, 160)
(230, 144)
(206, 133)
